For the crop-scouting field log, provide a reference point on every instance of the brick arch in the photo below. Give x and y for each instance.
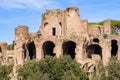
(69, 48)
(40, 51)
(94, 49)
(96, 40)
(29, 51)
(54, 40)
(48, 48)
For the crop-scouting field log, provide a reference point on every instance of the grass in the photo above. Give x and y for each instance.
(113, 23)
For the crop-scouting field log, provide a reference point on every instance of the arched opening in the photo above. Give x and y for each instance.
(48, 48)
(94, 50)
(114, 48)
(46, 23)
(32, 50)
(69, 48)
(60, 24)
(96, 40)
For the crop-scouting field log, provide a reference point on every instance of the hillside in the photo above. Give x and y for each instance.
(113, 23)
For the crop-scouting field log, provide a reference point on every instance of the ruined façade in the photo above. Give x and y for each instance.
(63, 33)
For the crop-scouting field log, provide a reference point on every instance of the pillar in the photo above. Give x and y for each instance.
(58, 49)
(106, 51)
(79, 51)
(39, 53)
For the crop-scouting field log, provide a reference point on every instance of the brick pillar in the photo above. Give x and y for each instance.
(58, 49)
(79, 51)
(18, 53)
(106, 50)
(39, 53)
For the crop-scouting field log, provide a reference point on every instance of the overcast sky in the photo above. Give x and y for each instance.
(28, 12)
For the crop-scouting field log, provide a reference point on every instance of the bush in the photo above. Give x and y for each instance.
(52, 68)
(5, 72)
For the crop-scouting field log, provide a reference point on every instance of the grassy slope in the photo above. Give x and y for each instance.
(113, 23)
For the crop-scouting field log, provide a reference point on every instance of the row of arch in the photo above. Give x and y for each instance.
(48, 49)
(68, 48)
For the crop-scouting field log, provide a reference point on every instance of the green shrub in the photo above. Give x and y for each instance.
(52, 68)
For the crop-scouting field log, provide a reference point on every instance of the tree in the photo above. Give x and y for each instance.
(11, 47)
(52, 68)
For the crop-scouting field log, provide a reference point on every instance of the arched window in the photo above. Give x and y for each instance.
(96, 40)
(48, 48)
(46, 23)
(69, 48)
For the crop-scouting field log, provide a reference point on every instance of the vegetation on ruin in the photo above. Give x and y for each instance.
(105, 35)
(51, 68)
(113, 22)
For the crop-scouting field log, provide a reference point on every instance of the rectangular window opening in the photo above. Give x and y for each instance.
(53, 31)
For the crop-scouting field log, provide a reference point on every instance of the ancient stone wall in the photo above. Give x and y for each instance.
(63, 33)
(95, 30)
(51, 23)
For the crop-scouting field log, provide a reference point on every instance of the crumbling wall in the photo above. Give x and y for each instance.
(73, 23)
(21, 36)
(107, 27)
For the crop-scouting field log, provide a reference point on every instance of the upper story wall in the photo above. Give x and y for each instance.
(95, 30)
(63, 23)
(73, 23)
(52, 23)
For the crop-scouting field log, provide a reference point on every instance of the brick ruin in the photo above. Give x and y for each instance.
(62, 32)
(6, 56)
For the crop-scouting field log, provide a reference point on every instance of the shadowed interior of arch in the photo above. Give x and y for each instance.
(94, 49)
(114, 48)
(29, 50)
(48, 48)
(32, 50)
(69, 48)
(96, 40)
